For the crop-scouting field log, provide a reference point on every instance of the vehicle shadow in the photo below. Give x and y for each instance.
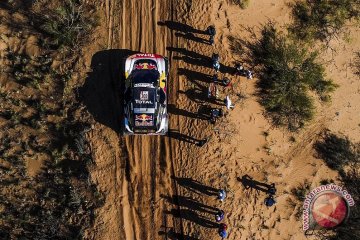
(195, 186)
(180, 27)
(248, 182)
(102, 92)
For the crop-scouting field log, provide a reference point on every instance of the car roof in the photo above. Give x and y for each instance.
(145, 76)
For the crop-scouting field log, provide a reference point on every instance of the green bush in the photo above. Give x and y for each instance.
(322, 19)
(69, 25)
(337, 151)
(356, 65)
(289, 70)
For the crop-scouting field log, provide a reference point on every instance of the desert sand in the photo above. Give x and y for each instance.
(135, 172)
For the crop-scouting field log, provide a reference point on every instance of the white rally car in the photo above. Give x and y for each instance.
(145, 97)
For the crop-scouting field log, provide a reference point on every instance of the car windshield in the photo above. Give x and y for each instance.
(144, 98)
(145, 77)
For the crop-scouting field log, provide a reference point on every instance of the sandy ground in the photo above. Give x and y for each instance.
(147, 180)
(135, 172)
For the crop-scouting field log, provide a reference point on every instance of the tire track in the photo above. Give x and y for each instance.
(143, 165)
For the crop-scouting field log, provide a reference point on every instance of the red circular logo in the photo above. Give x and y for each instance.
(329, 209)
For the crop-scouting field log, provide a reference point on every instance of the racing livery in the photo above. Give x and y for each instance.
(145, 97)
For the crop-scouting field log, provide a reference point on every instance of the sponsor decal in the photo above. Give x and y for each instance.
(326, 207)
(149, 66)
(144, 95)
(143, 101)
(143, 85)
(145, 123)
(145, 55)
(143, 117)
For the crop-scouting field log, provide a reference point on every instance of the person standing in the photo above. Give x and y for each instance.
(216, 61)
(223, 230)
(211, 31)
(269, 201)
(221, 195)
(215, 113)
(228, 103)
(219, 216)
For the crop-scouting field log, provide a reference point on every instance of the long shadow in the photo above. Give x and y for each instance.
(180, 27)
(198, 59)
(195, 186)
(102, 92)
(203, 112)
(248, 182)
(182, 137)
(172, 235)
(192, 216)
(190, 203)
(193, 75)
(199, 95)
(192, 37)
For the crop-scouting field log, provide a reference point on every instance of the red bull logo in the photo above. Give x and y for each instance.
(143, 117)
(149, 66)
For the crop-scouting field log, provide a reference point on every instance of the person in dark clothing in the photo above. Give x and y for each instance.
(222, 230)
(226, 82)
(239, 69)
(219, 216)
(211, 30)
(215, 78)
(269, 201)
(216, 62)
(272, 189)
(215, 113)
(211, 40)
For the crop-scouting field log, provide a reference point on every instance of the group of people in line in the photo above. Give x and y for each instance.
(220, 215)
(212, 90)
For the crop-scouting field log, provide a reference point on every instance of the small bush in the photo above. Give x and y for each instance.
(289, 70)
(301, 191)
(356, 64)
(322, 19)
(337, 151)
(69, 25)
(242, 3)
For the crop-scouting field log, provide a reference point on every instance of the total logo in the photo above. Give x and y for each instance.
(145, 55)
(142, 101)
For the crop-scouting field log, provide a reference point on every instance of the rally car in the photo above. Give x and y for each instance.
(145, 97)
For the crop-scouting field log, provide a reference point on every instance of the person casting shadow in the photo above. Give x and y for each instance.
(196, 186)
(248, 182)
(191, 204)
(192, 216)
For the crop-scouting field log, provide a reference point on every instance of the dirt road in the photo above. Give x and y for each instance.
(134, 173)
